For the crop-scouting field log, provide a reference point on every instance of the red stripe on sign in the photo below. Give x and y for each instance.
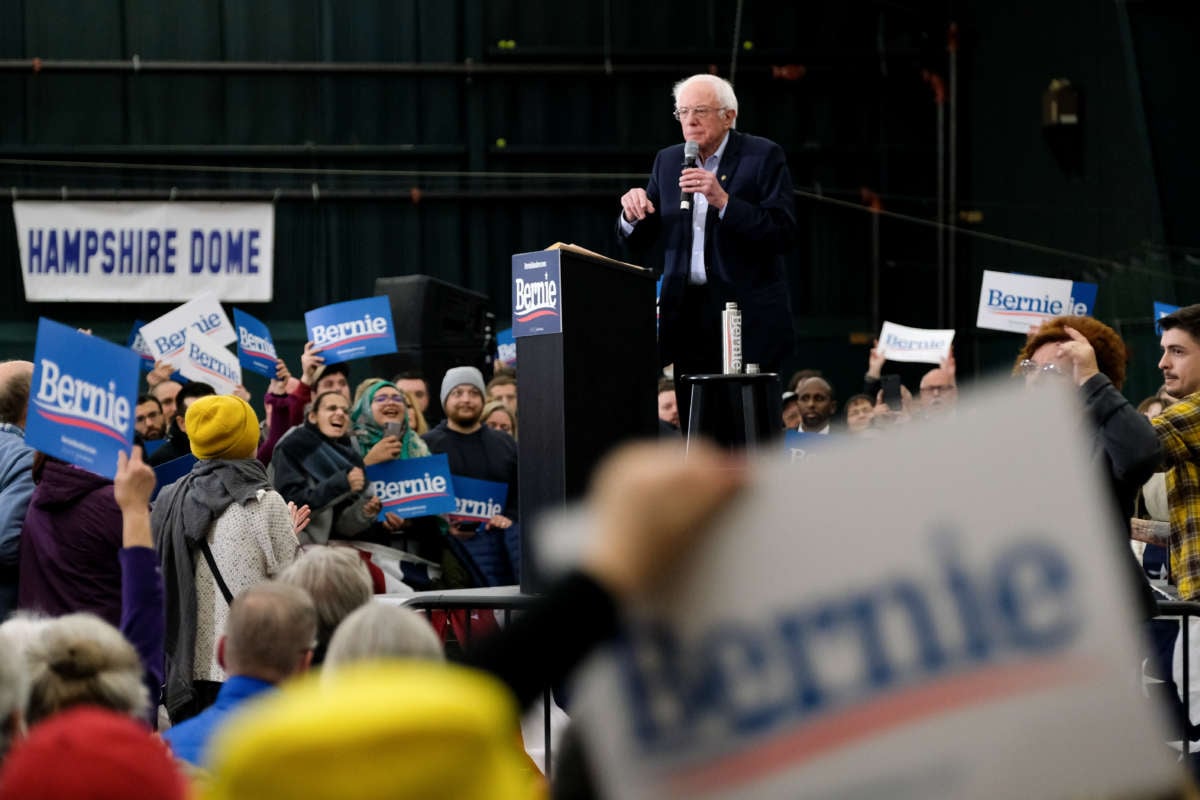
(875, 716)
(75, 422)
(414, 497)
(545, 312)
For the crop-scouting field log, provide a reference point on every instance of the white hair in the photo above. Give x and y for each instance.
(14, 692)
(81, 659)
(722, 87)
(23, 628)
(379, 630)
(337, 580)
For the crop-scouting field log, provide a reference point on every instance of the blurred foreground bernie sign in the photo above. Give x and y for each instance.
(1010, 302)
(82, 398)
(118, 252)
(979, 644)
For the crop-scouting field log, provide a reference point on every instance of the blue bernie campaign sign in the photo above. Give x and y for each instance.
(506, 348)
(478, 500)
(171, 471)
(1160, 311)
(1084, 294)
(353, 329)
(136, 343)
(536, 293)
(256, 349)
(82, 399)
(798, 445)
(413, 487)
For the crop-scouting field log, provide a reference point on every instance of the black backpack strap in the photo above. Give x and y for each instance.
(212, 565)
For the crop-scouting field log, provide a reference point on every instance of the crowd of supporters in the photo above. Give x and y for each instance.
(219, 630)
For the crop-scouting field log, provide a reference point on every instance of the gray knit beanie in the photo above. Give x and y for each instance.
(457, 376)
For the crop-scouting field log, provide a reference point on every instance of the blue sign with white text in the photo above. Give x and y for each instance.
(506, 348)
(1083, 294)
(478, 500)
(353, 329)
(798, 445)
(536, 293)
(256, 349)
(413, 487)
(138, 345)
(1160, 311)
(82, 398)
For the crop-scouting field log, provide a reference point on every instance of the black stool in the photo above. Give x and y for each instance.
(735, 411)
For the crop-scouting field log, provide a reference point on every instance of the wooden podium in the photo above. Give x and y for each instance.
(587, 362)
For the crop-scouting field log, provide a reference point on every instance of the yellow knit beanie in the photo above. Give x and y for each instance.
(377, 730)
(222, 426)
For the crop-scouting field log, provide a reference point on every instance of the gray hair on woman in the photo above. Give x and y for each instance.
(14, 694)
(80, 659)
(338, 582)
(379, 630)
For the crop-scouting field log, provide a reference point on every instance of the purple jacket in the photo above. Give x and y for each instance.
(69, 545)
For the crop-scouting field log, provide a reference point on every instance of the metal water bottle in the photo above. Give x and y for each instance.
(731, 340)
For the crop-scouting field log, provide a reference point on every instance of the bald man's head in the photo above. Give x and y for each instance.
(939, 392)
(15, 378)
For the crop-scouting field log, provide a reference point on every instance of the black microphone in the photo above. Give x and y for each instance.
(691, 152)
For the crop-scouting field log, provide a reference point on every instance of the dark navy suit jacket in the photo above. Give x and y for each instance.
(743, 251)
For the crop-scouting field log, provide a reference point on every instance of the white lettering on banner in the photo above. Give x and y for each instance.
(1021, 604)
(534, 295)
(534, 264)
(1016, 303)
(477, 508)
(395, 491)
(206, 362)
(174, 342)
(345, 332)
(255, 344)
(77, 398)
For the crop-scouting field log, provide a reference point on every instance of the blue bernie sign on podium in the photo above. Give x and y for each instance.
(82, 398)
(536, 293)
(353, 329)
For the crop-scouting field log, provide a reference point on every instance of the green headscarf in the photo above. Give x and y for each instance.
(368, 432)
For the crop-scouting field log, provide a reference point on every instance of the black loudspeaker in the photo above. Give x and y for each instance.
(438, 326)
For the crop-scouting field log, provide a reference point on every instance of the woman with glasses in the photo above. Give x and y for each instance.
(381, 424)
(1085, 353)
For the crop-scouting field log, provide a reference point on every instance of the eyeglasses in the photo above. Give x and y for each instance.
(1030, 367)
(939, 389)
(699, 112)
(384, 399)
